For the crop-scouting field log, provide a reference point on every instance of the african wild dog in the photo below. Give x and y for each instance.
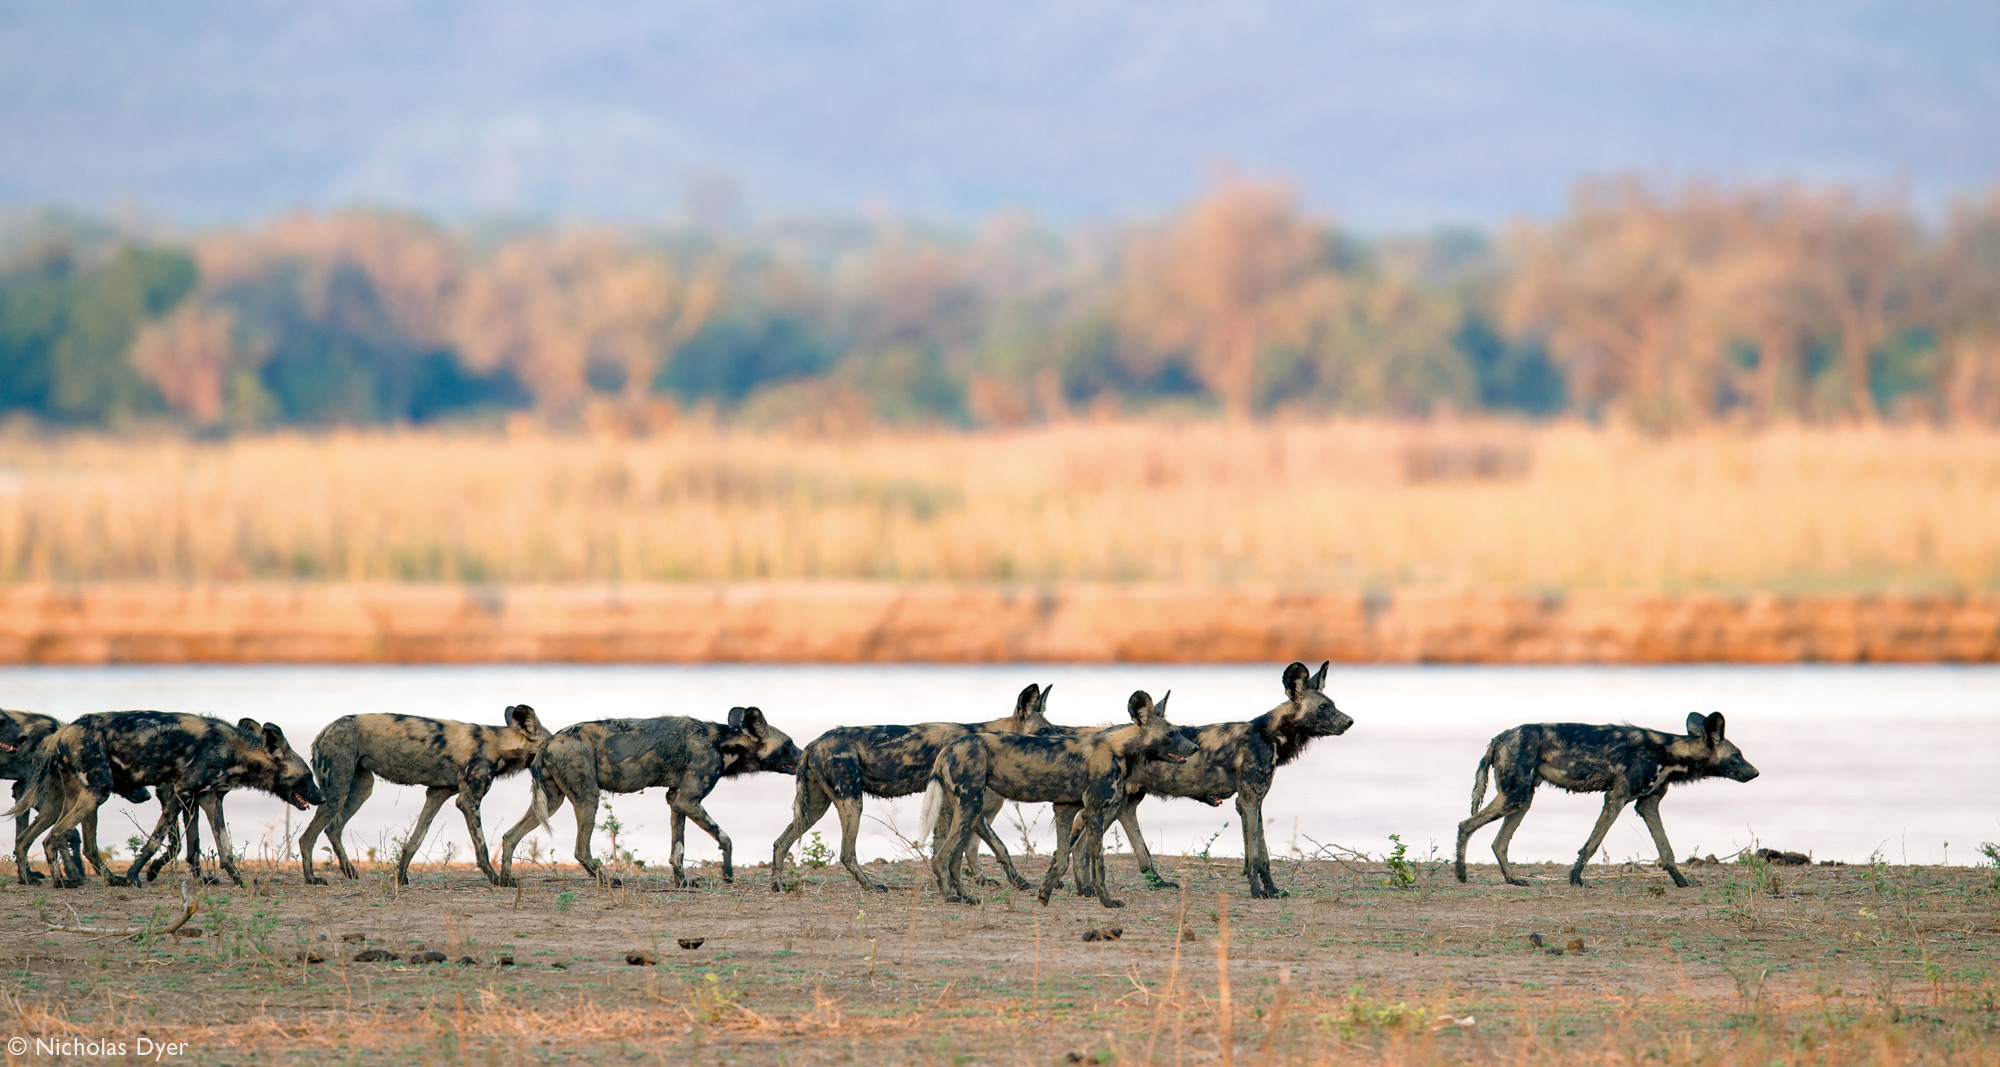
(688, 756)
(445, 756)
(1238, 758)
(194, 757)
(1091, 767)
(846, 763)
(22, 737)
(1625, 763)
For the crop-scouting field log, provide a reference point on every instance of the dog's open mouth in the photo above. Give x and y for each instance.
(299, 801)
(10, 748)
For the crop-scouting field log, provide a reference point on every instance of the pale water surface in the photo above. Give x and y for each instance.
(1855, 760)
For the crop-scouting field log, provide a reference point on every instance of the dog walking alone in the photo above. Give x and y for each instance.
(1629, 765)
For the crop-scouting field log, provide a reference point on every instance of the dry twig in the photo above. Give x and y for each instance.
(188, 903)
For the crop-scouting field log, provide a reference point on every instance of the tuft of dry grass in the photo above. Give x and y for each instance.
(1319, 505)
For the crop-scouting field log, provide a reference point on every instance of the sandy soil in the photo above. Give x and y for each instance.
(1753, 963)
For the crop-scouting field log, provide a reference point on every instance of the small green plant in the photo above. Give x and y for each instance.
(1991, 851)
(564, 900)
(1402, 873)
(814, 853)
(710, 1000)
(1210, 843)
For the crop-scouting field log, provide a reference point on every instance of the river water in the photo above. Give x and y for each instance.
(1900, 761)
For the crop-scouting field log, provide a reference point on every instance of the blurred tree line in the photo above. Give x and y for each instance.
(1664, 308)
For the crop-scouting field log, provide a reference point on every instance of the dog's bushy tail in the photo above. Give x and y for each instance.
(1479, 779)
(538, 797)
(933, 805)
(31, 783)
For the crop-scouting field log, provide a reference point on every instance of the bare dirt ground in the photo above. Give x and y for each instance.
(1753, 964)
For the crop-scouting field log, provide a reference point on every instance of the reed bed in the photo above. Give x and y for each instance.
(1312, 505)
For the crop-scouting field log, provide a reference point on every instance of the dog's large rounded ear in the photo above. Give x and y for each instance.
(1139, 705)
(521, 717)
(1025, 702)
(1160, 705)
(274, 738)
(1297, 680)
(1319, 680)
(249, 726)
(749, 720)
(1042, 702)
(1711, 727)
(1697, 724)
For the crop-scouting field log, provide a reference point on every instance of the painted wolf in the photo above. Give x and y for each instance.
(1239, 758)
(1090, 767)
(22, 737)
(447, 757)
(195, 758)
(1625, 763)
(847, 763)
(687, 756)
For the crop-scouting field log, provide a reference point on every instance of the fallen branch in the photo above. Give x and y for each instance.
(188, 902)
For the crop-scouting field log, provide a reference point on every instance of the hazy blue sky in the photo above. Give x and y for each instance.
(1389, 114)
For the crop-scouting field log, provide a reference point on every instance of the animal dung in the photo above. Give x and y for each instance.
(1535, 940)
(465, 961)
(505, 961)
(1106, 933)
(1555, 952)
(376, 955)
(641, 958)
(692, 943)
(1781, 858)
(427, 957)
(311, 956)
(354, 938)
(1576, 944)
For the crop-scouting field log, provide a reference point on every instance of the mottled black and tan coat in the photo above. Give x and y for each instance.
(845, 764)
(687, 756)
(448, 758)
(1231, 758)
(1089, 768)
(1629, 765)
(190, 760)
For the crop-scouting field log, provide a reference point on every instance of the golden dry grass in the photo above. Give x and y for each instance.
(1316, 505)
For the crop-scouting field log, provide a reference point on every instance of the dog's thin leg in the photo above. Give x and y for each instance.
(687, 802)
(470, 793)
(964, 821)
(809, 803)
(93, 854)
(1129, 819)
(1093, 830)
(849, 808)
(1498, 808)
(584, 796)
(552, 799)
(1256, 861)
(333, 795)
(1649, 810)
(336, 834)
(1614, 802)
(1511, 823)
(679, 822)
(67, 817)
(993, 842)
(170, 818)
(1065, 821)
(434, 799)
(225, 852)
